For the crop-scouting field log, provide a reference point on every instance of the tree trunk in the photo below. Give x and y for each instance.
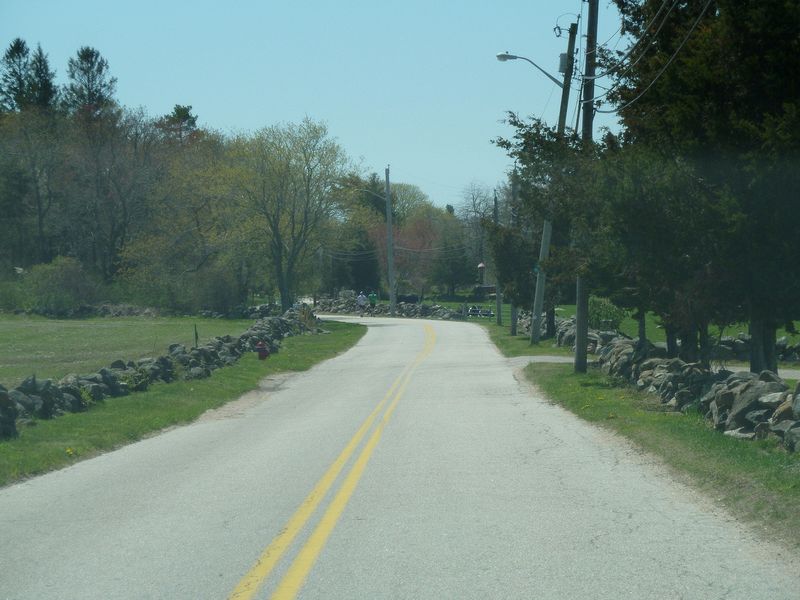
(705, 346)
(757, 358)
(640, 318)
(581, 325)
(688, 352)
(672, 341)
(514, 319)
(770, 354)
(550, 323)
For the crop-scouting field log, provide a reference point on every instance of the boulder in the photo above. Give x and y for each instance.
(740, 434)
(783, 412)
(773, 400)
(781, 428)
(8, 416)
(791, 439)
(747, 400)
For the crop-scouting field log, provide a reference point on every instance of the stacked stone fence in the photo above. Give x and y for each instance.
(741, 405)
(45, 399)
(347, 305)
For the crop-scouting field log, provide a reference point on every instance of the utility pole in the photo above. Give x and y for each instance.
(514, 223)
(547, 228)
(498, 295)
(581, 291)
(390, 248)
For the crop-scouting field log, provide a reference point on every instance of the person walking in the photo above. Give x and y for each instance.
(373, 301)
(361, 303)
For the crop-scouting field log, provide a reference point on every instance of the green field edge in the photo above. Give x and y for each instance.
(756, 482)
(115, 422)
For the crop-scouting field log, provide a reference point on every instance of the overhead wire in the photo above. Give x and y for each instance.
(633, 63)
(668, 63)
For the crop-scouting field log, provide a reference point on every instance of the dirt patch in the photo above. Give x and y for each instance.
(237, 408)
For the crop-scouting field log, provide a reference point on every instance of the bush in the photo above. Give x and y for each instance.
(604, 314)
(11, 295)
(59, 288)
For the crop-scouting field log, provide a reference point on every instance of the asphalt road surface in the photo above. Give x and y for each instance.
(414, 466)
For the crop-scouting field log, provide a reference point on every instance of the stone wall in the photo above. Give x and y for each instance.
(742, 405)
(347, 305)
(46, 399)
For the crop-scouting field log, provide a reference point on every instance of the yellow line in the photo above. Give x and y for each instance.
(294, 579)
(249, 584)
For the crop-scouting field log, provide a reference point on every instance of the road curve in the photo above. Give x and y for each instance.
(459, 482)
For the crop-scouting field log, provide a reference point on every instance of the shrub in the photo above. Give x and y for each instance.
(604, 314)
(59, 288)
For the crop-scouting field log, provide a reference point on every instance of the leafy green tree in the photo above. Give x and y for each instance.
(288, 176)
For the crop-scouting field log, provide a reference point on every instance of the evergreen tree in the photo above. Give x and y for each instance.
(14, 82)
(91, 89)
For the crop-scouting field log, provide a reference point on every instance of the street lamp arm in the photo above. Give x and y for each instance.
(504, 56)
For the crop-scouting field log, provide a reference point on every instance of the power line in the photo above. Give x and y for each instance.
(669, 62)
(640, 39)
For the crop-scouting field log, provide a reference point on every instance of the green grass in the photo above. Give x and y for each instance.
(116, 421)
(758, 481)
(52, 348)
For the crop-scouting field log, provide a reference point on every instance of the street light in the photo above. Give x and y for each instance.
(547, 226)
(504, 56)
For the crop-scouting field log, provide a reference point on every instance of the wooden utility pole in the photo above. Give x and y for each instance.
(547, 228)
(581, 291)
(390, 248)
(498, 295)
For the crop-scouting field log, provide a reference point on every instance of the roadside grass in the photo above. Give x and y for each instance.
(56, 443)
(52, 348)
(519, 345)
(758, 481)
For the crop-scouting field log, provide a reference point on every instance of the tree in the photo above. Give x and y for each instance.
(714, 87)
(91, 89)
(179, 124)
(288, 177)
(43, 91)
(16, 74)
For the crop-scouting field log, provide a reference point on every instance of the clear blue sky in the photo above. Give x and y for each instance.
(414, 84)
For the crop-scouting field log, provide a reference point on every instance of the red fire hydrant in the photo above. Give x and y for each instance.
(263, 351)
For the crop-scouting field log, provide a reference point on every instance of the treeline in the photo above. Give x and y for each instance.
(101, 202)
(692, 211)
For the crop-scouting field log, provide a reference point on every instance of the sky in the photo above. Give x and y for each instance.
(413, 84)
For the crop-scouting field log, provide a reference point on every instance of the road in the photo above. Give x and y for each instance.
(414, 466)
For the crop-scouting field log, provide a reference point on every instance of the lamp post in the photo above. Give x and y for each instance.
(547, 227)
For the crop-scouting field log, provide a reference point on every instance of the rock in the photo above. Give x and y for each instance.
(118, 365)
(718, 416)
(792, 439)
(8, 416)
(747, 400)
(740, 434)
(762, 431)
(769, 376)
(754, 417)
(783, 412)
(772, 401)
(781, 428)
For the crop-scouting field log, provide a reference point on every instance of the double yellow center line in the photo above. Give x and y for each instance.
(290, 585)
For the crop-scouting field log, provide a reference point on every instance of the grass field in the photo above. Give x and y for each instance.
(51, 348)
(758, 481)
(116, 421)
